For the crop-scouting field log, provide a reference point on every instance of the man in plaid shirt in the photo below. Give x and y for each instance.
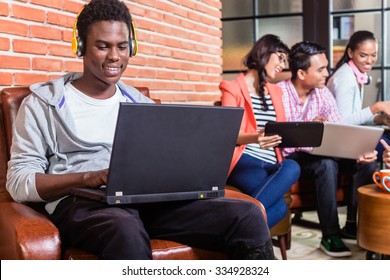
(306, 98)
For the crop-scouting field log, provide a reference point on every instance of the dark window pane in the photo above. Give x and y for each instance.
(229, 77)
(344, 26)
(237, 41)
(387, 43)
(268, 7)
(372, 92)
(289, 29)
(235, 8)
(340, 5)
(387, 86)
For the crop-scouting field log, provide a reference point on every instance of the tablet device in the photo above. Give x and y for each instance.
(296, 134)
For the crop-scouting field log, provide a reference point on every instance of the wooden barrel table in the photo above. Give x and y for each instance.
(374, 220)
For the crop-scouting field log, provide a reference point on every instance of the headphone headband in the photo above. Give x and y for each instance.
(76, 49)
(78, 44)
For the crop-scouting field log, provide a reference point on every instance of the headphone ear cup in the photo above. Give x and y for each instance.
(133, 47)
(133, 43)
(369, 80)
(80, 47)
(77, 46)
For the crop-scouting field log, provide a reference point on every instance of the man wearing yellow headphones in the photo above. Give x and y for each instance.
(59, 144)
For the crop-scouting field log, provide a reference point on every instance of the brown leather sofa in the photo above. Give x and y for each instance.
(27, 233)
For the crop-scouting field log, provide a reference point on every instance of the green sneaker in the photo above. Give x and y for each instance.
(348, 236)
(333, 246)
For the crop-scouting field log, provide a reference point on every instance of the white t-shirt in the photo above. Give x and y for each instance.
(94, 119)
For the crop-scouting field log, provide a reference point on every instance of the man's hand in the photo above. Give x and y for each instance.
(386, 120)
(368, 157)
(95, 179)
(386, 153)
(53, 186)
(320, 119)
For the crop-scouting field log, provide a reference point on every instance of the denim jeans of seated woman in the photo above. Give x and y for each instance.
(267, 182)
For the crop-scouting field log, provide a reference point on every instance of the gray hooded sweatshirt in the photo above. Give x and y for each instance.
(43, 141)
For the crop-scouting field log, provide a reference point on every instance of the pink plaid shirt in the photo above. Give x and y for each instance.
(320, 103)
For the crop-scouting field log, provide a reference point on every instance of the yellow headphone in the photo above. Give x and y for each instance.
(78, 44)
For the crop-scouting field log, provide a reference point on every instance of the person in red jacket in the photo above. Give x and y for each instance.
(257, 166)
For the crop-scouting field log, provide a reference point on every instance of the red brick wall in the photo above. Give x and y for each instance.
(180, 45)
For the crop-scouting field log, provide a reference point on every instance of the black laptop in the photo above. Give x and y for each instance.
(164, 152)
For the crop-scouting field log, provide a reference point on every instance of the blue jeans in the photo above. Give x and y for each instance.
(266, 182)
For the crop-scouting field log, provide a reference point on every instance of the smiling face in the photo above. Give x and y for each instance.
(275, 65)
(365, 55)
(106, 55)
(315, 76)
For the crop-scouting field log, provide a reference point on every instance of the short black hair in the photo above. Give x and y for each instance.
(299, 57)
(102, 10)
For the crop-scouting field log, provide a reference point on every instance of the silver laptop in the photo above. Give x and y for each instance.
(167, 152)
(348, 141)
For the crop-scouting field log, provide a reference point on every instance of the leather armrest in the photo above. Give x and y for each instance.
(27, 234)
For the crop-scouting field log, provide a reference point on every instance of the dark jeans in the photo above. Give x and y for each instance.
(362, 176)
(123, 232)
(324, 172)
(266, 182)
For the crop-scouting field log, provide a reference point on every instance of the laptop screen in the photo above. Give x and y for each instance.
(163, 150)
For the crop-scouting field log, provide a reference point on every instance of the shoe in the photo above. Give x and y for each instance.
(333, 246)
(348, 236)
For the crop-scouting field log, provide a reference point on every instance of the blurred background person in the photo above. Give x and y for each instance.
(349, 78)
(257, 167)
